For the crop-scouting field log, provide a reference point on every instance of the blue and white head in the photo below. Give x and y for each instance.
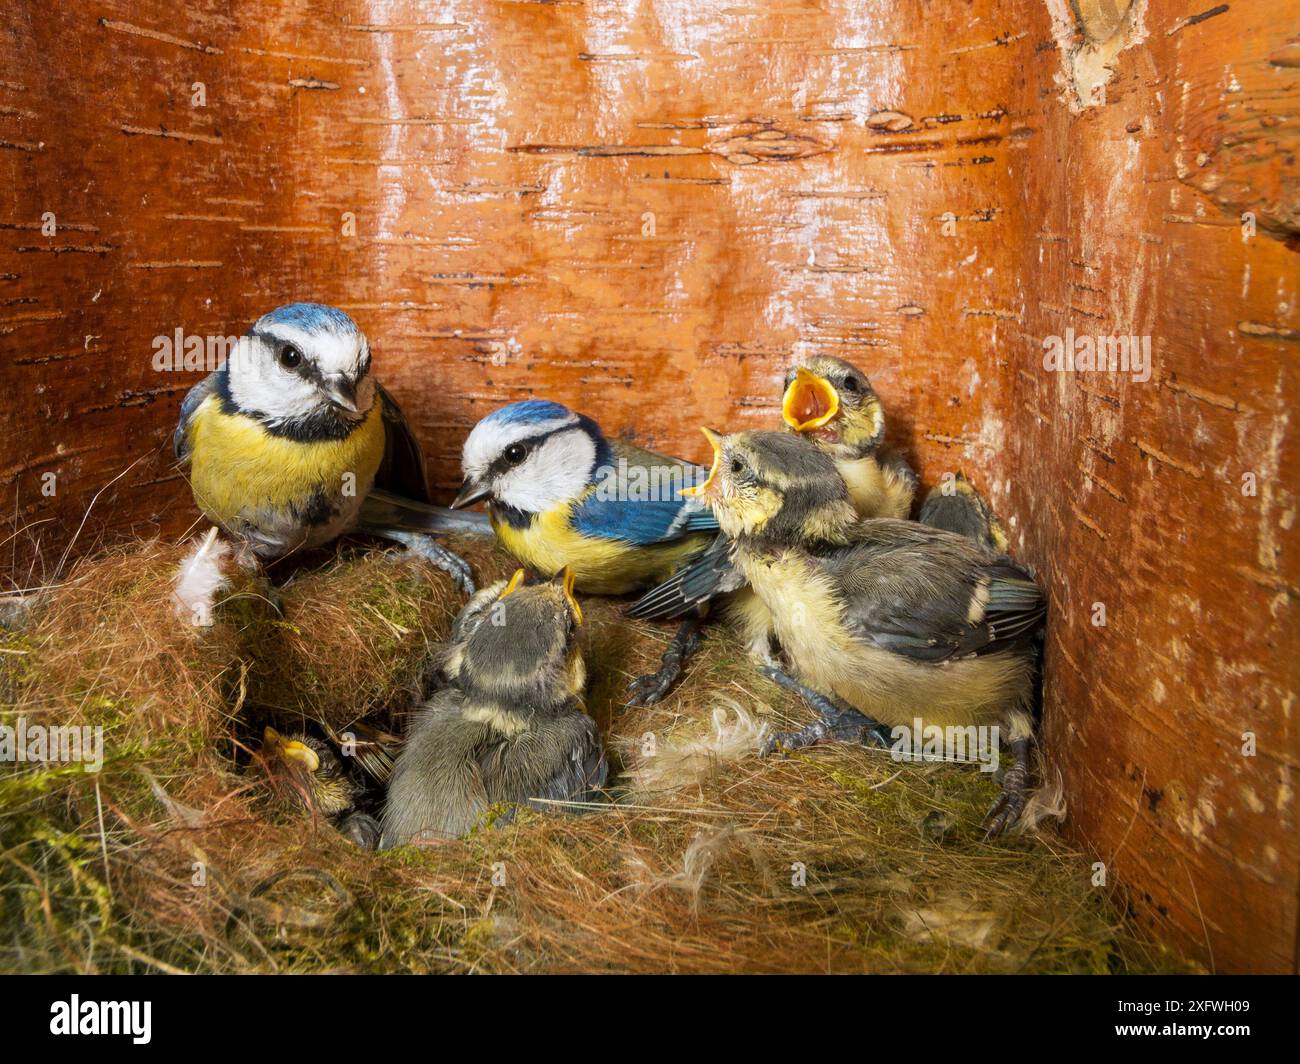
(531, 456)
(300, 362)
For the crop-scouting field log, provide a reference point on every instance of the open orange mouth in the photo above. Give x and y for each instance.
(707, 488)
(810, 401)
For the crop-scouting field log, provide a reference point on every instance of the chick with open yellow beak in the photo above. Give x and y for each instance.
(831, 403)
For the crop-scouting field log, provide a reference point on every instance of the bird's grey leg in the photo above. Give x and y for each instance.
(1006, 809)
(647, 690)
(360, 828)
(431, 550)
(839, 721)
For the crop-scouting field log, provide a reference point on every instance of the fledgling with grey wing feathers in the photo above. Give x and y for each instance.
(956, 506)
(898, 619)
(830, 403)
(510, 728)
(884, 621)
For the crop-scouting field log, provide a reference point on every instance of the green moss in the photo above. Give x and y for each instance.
(611, 890)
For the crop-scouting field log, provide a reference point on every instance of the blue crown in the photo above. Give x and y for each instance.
(311, 317)
(529, 412)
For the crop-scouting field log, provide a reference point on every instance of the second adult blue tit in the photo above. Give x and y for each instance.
(560, 494)
(293, 442)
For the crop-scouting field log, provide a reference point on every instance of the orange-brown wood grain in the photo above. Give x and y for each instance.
(648, 210)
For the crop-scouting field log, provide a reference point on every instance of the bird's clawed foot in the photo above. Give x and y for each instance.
(1006, 809)
(647, 690)
(839, 722)
(431, 550)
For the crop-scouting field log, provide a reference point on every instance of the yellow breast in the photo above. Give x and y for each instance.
(239, 471)
(600, 566)
(808, 619)
(875, 490)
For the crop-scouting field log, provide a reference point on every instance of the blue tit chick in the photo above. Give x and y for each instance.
(884, 621)
(308, 768)
(511, 729)
(956, 506)
(560, 494)
(831, 403)
(293, 443)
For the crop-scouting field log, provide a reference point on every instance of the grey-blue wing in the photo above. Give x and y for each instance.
(192, 401)
(933, 595)
(402, 470)
(708, 575)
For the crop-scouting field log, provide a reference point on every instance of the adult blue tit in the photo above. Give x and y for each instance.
(958, 507)
(293, 442)
(510, 728)
(883, 622)
(831, 403)
(559, 493)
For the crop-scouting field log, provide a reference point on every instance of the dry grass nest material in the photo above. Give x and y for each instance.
(177, 856)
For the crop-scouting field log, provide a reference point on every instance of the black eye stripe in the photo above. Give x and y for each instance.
(501, 464)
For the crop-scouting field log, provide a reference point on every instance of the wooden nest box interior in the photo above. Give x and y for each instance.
(648, 212)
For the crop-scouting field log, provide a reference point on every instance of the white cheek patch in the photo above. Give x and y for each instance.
(259, 383)
(489, 440)
(556, 472)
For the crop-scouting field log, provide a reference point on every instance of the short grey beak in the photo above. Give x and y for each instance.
(470, 493)
(342, 392)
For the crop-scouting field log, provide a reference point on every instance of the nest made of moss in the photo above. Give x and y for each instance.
(177, 855)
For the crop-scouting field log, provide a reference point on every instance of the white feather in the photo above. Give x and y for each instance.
(953, 920)
(1048, 802)
(677, 763)
(702, 854)
(199, 578)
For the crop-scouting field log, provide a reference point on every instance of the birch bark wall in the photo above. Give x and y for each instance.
(648, 210)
